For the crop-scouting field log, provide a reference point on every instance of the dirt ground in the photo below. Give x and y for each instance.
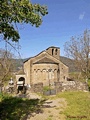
(52, 109)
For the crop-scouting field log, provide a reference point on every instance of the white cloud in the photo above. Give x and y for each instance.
(81, 16)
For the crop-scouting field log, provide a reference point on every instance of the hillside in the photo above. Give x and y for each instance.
(67, 61)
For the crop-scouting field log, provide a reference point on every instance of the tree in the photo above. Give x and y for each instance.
(6, 64)
(78, 48)
(19, 11)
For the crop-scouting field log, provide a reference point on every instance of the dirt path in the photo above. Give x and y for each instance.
(52, 110)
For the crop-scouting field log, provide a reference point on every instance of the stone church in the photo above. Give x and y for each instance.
(45, 68)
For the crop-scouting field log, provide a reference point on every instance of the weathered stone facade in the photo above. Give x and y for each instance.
(45, 67)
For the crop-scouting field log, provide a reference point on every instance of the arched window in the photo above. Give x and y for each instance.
(56, 52)
(52, 51)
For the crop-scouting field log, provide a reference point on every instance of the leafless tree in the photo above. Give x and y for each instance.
(6, 64)
(78, 48)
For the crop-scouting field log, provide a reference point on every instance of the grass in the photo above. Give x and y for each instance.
(78, 105)
(49, 111)
(13, 108)
(50, 116)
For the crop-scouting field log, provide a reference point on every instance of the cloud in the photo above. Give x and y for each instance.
(81, 16)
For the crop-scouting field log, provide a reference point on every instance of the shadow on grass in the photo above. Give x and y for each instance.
(13, 108)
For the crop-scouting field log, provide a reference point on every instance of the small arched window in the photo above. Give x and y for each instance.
(56, 52)
(52, 51)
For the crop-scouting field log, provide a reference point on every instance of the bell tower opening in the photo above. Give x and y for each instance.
(54, 51)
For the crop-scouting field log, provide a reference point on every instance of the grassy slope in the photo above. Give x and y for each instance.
(78, 105)
(69, 62)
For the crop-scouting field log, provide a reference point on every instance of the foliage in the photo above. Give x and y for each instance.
(74, 75)
(78, 48)
(19, 11)
(77, 76)
(78, 105)
(46, 88)
(13, 108)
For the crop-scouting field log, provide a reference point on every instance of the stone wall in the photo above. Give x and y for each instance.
(61, 87)
(71, 86)
(54, 51)
(37, 88)
(44, 72)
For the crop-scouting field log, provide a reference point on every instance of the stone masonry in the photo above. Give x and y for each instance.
(45, 67)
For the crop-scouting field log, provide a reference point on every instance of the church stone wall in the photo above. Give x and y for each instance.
(63, 72)
(46, 73)
(27, 71)
(45, 67)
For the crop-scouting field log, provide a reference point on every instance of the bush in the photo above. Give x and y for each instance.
(46, 88)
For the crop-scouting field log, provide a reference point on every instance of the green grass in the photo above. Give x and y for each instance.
(46, 88)
(13, 108)
(78, 105)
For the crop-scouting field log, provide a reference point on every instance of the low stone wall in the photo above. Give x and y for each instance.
(37, 88)
(71, 86)
(62, 86)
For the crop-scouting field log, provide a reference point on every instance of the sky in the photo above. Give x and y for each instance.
(66, 18)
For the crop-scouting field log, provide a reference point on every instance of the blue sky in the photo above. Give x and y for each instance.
(66, 18)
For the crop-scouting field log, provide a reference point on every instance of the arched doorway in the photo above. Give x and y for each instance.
(21, 85)
(22, 79)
